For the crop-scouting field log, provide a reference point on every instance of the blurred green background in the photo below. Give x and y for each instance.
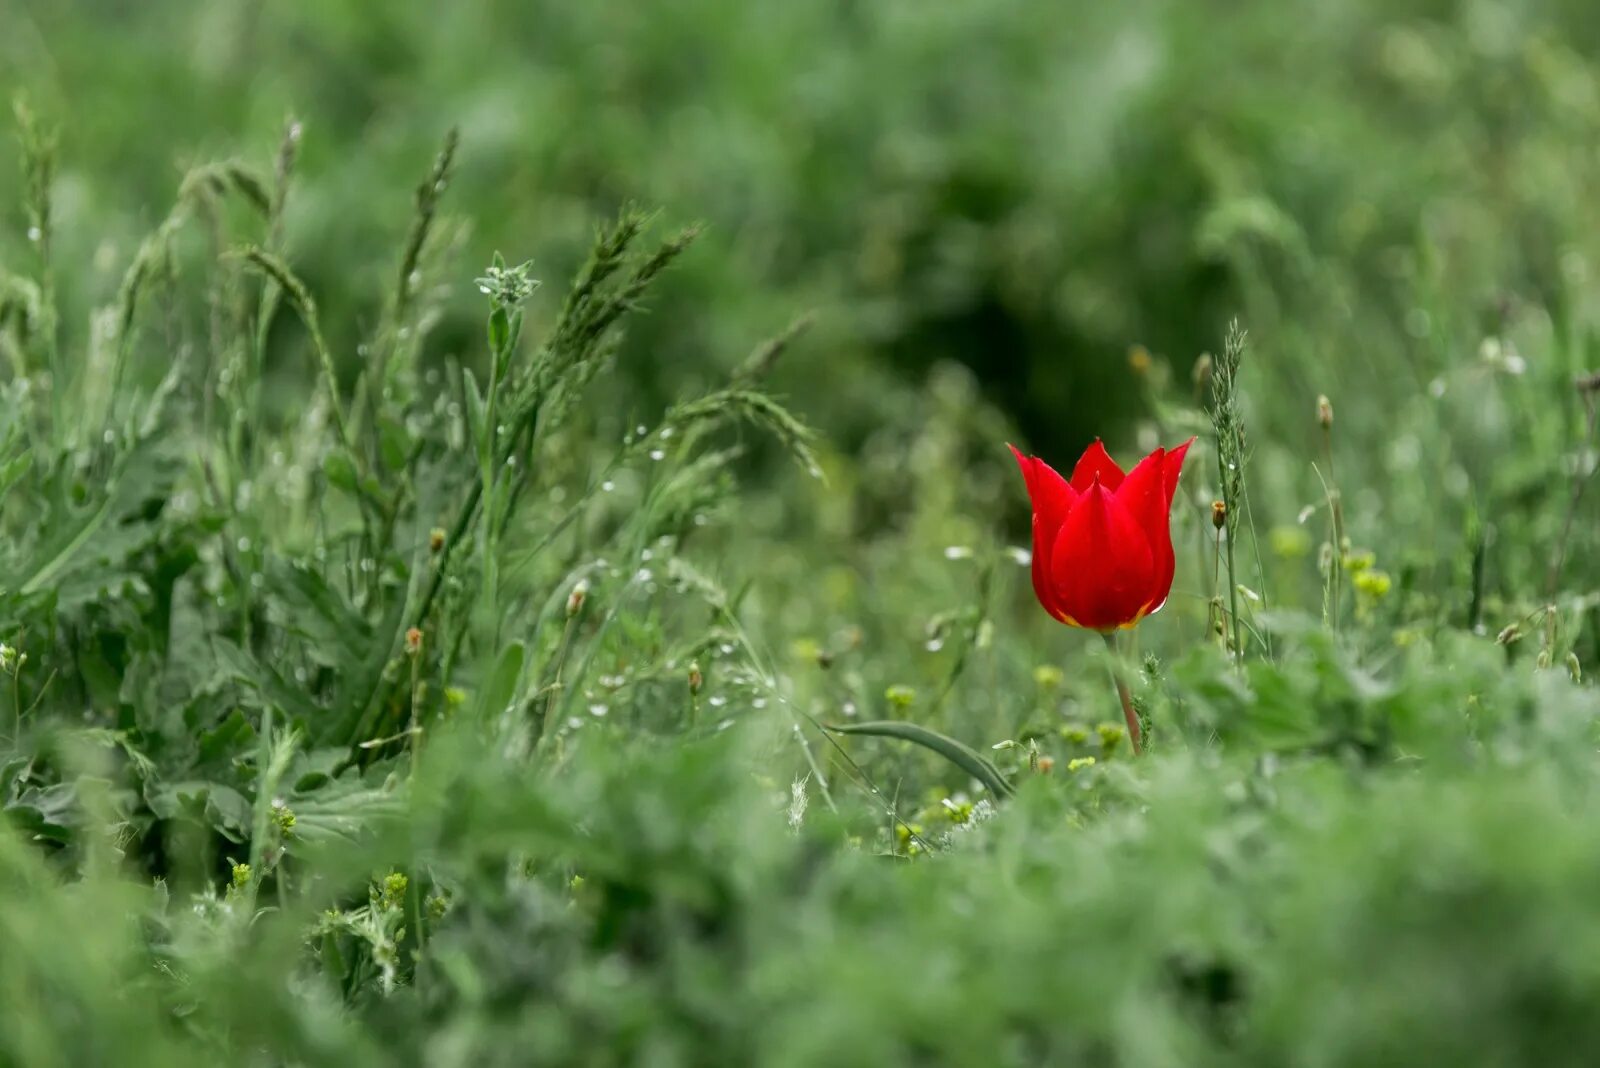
(1029, 189)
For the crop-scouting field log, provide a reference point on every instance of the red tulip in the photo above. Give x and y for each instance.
(1102, 542)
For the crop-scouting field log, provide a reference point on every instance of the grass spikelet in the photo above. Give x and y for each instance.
(305, 307)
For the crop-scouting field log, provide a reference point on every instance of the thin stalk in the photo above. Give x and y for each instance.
(1579, 481)
(770, 681)
(1336, 511)
(1214, 620)
(16, 703)
(1227, 422)
(1233, 600)
(555, 682)
(262, 813)
(415, 742)
(1128, 713)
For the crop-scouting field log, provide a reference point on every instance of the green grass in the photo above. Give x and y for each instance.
(453, 616)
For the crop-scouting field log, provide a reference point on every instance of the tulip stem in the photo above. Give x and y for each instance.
(1128, 712)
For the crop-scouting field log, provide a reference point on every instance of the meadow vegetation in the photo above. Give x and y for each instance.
(508, 553)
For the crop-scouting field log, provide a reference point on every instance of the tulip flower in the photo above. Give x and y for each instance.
(1102, 540)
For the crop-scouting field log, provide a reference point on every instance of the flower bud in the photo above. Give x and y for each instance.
(413, 641)
(576, 597)
(436, 540)
(1373, 583)
(393, 894)
(1046, 765)
(1324, 412)
(1073, 735)
(696, 679)
(1219, 514)
(282, 815)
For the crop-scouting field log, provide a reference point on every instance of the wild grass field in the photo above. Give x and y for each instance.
(509, 553)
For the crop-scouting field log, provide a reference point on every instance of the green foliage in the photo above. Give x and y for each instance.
(413, 654)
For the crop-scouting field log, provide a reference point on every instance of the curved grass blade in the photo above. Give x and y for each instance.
(962, 756)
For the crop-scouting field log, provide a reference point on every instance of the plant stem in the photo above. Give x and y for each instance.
(415, 741)
(555, 683)
(1233, 596)
(1128, 712)
(1580, 479)
(1216, 620)
(1335, 592)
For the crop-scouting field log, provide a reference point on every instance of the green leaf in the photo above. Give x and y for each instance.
(475, 405)
(335, 632)
(499, 332)
(233, 735)
(508, 345)
(341, 471)
(501, 684)
(47, 813)
(12, 470)
(267, 685)
(361, 685)
(220, 807)
(342, 811)
(394, 440)
(962, 756)
(142, 476)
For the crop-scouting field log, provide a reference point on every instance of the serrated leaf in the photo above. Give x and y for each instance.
(98, 535)
(962, 756)
(232, 736)
(341, 810)
(334, 631)
(359, 688)
(49, 812)
(220, 807)
(267, 684)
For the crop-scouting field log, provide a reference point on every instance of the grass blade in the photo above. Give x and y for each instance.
(962, 756)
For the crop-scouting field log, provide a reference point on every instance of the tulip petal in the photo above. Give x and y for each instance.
(1051, 495)
(1096, 463)
(1144, 495)
(1052, 500)
(1172, 467)
(1101, 563)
